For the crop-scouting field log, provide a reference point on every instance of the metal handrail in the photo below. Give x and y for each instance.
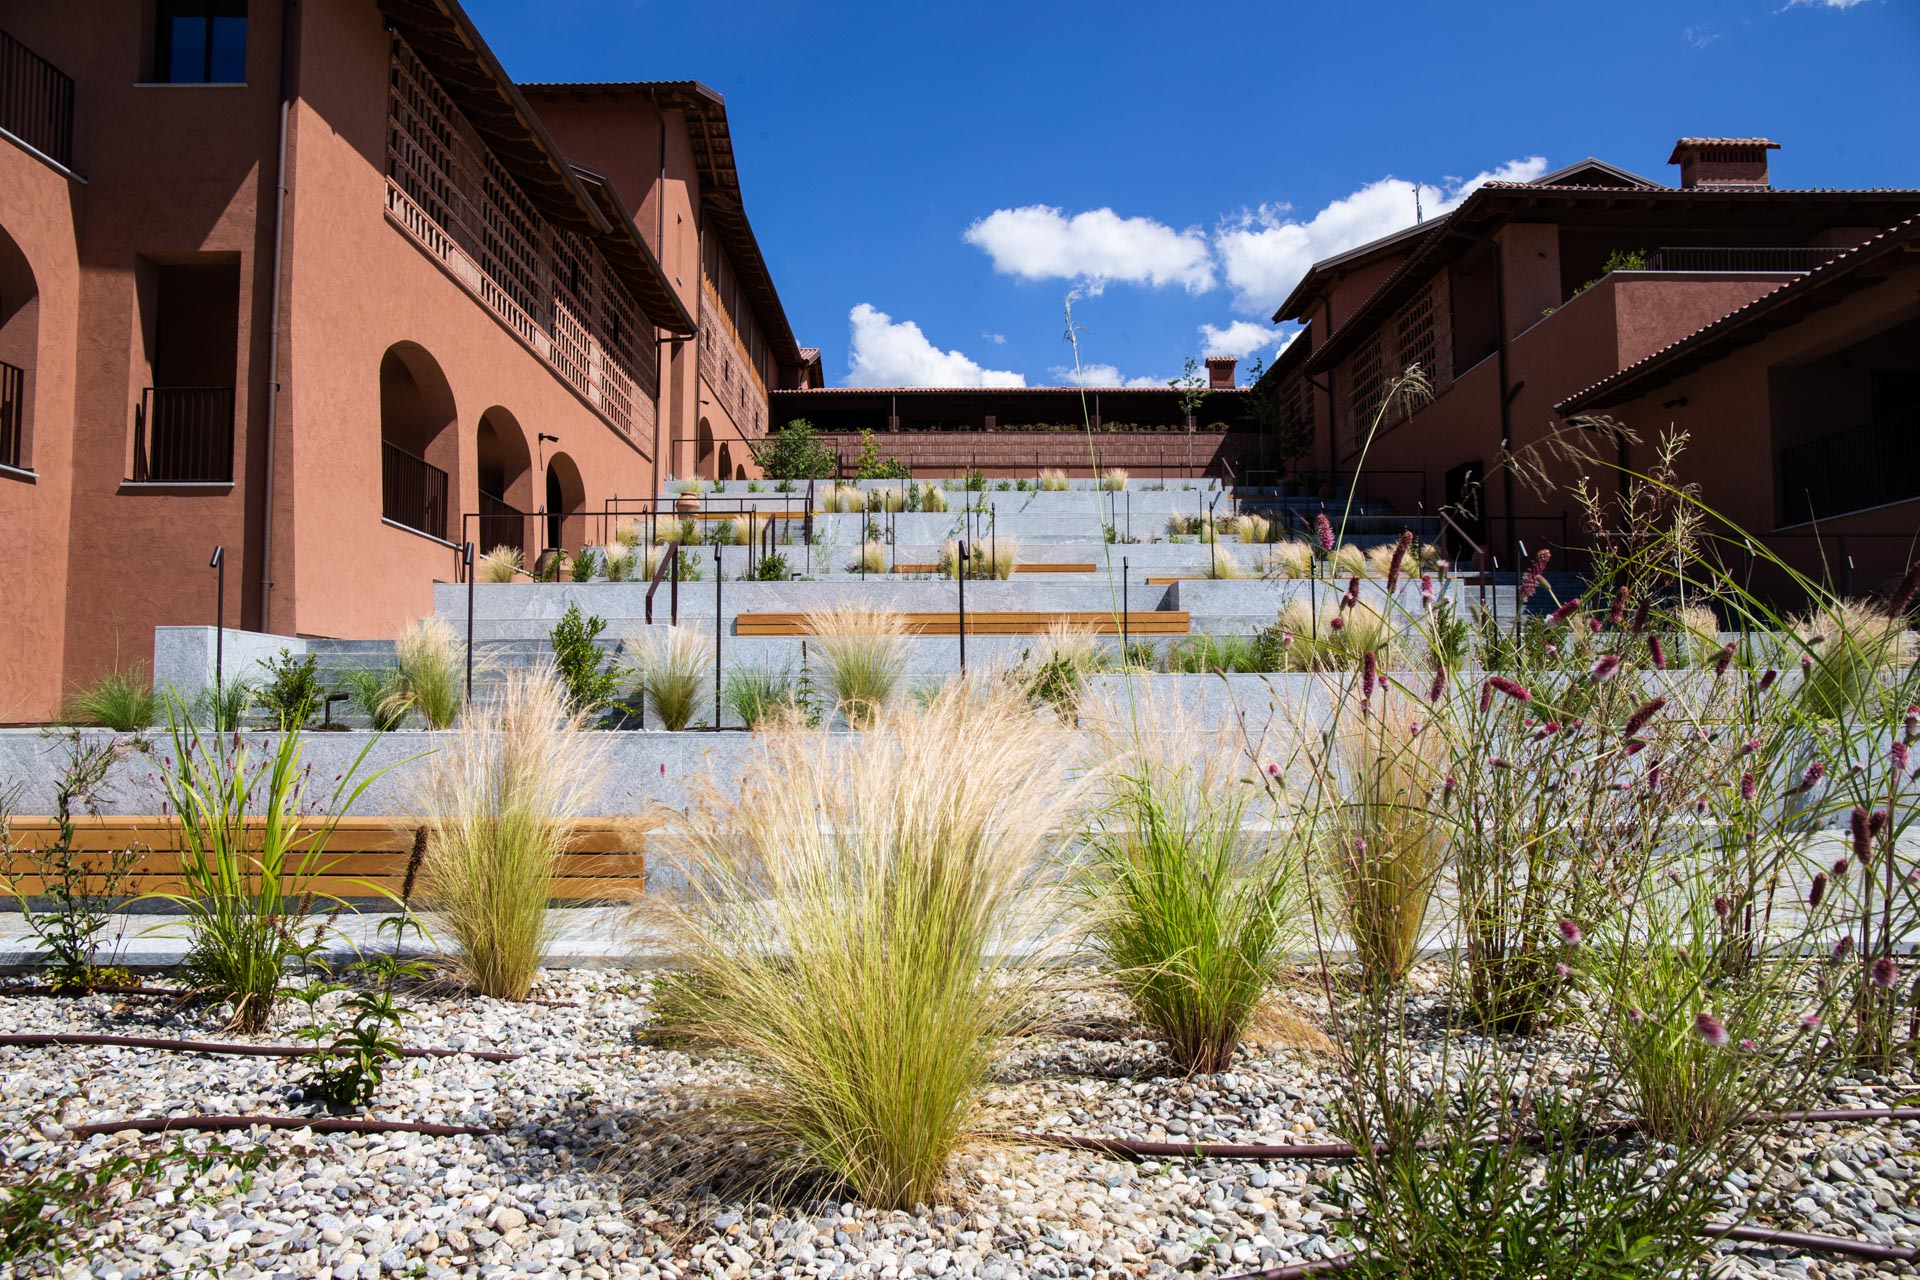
(671, 558)
(36, 101)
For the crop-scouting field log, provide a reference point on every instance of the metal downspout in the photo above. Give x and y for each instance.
(287, 27)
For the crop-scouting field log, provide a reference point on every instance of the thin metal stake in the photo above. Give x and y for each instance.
(466, 560)
(219, 567)
(960, 572)
(718, 629)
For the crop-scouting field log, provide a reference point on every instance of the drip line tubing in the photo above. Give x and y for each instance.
(62, 1038)
(319, 1124)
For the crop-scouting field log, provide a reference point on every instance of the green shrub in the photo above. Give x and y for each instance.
(773, 567)
(757, 695)
(379, 695)
(292, 694)
(794, 452)
(583, 669)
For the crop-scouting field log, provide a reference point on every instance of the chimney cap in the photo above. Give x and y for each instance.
(1684, 145)
(1220, 371)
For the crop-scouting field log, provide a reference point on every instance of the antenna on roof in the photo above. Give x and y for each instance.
(1418, 217)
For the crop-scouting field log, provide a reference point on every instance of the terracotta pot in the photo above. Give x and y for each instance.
(687, 504)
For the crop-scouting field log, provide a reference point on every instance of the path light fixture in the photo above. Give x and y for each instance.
(466, 563)
(219, 566)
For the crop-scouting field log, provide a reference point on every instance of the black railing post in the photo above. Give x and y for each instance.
(466, 561)
(719, 629)
(1125, 608)
(960, 573)
(219, 566)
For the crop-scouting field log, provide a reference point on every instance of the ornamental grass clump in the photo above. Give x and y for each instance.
(847, 499)
(502, 564)
(860, 930)
(1054, 670)
(862, 655)
(252, 844)
(1221, 563)
(1191, 901)
(1385, 843)
(1250, 528)
(432, 679)
(668, 667)
(760, 696)
(986, 558)
(1053, 480)
(1335, 637)
(122, 700)
(870, 558)
(1114, 479)
(502, 800)
(1289, 559)
(1845, 647)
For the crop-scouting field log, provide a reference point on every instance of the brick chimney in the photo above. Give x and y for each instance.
(1724, 164)
(1220, 372)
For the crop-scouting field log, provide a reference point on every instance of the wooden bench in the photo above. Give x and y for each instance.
(1157, 622)
(604, 858)
(1075, 567)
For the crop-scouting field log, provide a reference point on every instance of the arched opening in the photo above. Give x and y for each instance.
(504, 468)
(703, 452)
(19, 349)
(566, 500)
(726, 463)
(419, 447)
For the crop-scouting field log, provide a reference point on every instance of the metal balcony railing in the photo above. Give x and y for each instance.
(1865, 466)
(1754, 258)
(413, 491)
(13, 408)
(184, 435)
(501, 524)
(36, 101)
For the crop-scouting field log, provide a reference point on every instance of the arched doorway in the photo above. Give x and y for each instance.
(503, 466)
(19, 352)
(419, 448)
(726, 463)
(703, 452)
(566, 499)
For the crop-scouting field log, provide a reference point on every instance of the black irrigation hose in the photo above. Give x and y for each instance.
(1131, 1148)
(107, 989)
(319, 1124)
(42, 1039)
(1838, 1245)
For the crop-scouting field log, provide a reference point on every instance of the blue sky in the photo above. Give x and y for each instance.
(928, 182)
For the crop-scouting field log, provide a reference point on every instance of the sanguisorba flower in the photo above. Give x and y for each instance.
(1843, 948)
(1710, 1029)
(1883, 972)
(1811, 778)
(1536, 570)
(1605, 667)
(1659, 652)
(1723, 659)
(1565, 611)
(1369, 674)
(1618, 614)
(1818, 891)
(1400, 549)
(1570, 933)
(1438, 689)
(1512, 688)
(1642, 714)
(1748, 787)
(1862, 838)
(1323, 534)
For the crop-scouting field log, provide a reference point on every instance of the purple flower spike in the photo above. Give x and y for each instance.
(1606, 667)
(1723, 659)
(1635, 1016)
(1811, 778)
(1323, 533)
(1748, 788)
(1819, 890)
(1618, 614)
(1369, 674)
(1883, 972)
(1840, 866)
(1535, 570)
(1647, 711)
(1438, 689)
(1710, 1029)
(1862, 838)
(1518, 692)
(1721, 907)
(1659, 652)
(1565, 611)
(1767, 678)
(1570, 933)
(1900, 756)
(1843, 948)
(1747, 1046)
(1810, 1020)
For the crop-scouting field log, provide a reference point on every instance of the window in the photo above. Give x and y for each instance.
(200, 42)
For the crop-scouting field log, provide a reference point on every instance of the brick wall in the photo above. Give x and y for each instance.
(1145, 455)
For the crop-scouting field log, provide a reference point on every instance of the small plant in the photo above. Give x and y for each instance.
(502, 564)
(1846, 646)
(1208, 652)
(933, 499)
(221, 706)
(871, 466)
(1054, 671)
(687, 488)
(847, 499)
(725, 533)
(78, 889)
(292, 694)
(1250, 528)
(864, 654)
(554, 565)
(121, 700)
(432, 678)
(794, 452)
(871, 558)
(1113, 479)
(843, 933)
(629, 533)
(668, 667)
(1289, 559)
(758, 696)
(975, 481)
(246, 881)
(1221, 563)
(379, 695)
(773, 567)
(582, 667)
(1053, 480)
(754, 486)
(504, 798)
(617, 562)
(588, 565)
(991, 558)
(1189, 903)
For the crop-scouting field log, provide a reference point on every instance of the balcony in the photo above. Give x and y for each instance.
(13, 408)
(36, 101)
(1869, 465)
(413, 492)
(184, 435)
(1759, 258)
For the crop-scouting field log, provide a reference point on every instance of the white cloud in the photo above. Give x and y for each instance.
(1041, 242)
(889, 353)
(1697, 38)
(997, 339)
(1241, 339)
(1100, 375)
(1265, 253)
(1825, 4)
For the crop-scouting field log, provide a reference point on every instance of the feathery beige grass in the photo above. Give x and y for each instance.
(617, 560)
(870, 558)
(1318, 644)
(1350, 561)
(862, 654)
(668, 667)
(1250, 528)
(1114, 479)
(986, 558)
(432, 672)
(629, 533)
(1053, 480)
(502, 564)
(932, 498)
(1850, 643)
(847, 499)
(1289, 559)
(860, 928)
(1221, 563)
(502, 800)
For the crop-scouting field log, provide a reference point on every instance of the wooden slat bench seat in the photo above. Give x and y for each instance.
(603, 858)
(1072, 567)
(1157, 622)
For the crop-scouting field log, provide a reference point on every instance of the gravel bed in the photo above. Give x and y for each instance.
(554, 1192)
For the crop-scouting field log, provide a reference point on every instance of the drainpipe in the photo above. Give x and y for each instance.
(1506, 398)
(288, 20)
(1333, 406)
(660, 252)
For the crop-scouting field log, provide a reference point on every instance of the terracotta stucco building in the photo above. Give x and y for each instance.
(1722, 306)
(317, 284)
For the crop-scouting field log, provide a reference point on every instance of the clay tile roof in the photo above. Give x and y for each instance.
(1778, 303)
(1685, 144)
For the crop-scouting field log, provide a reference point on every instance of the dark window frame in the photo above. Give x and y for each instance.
(166, 12)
